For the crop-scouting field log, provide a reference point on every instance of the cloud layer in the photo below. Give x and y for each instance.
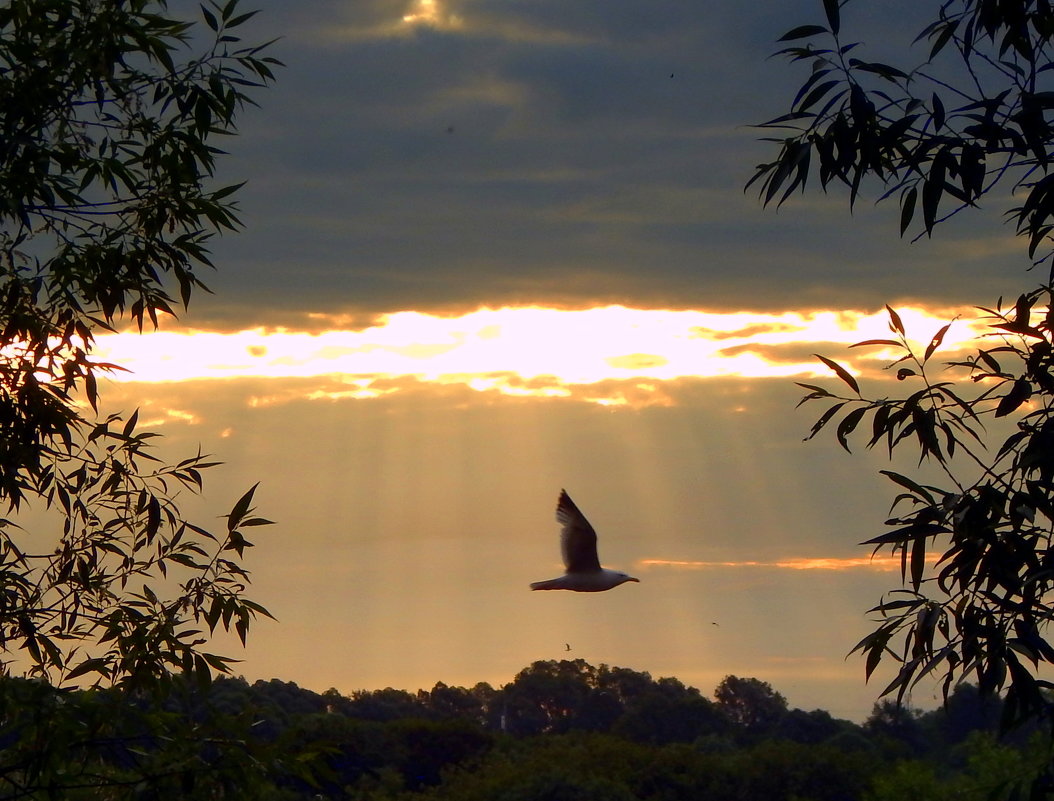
(609, 355)
(535, 153)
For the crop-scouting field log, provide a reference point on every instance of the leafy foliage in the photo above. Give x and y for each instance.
(975, 113)
(108, 113)
(982, 613)
(974, 543)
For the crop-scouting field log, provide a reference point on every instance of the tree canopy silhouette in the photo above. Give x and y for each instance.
(307, 744)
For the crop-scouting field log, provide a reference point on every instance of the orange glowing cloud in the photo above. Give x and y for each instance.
(880, 563)
(525, 351)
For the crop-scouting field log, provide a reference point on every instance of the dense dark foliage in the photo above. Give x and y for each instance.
(558, 730)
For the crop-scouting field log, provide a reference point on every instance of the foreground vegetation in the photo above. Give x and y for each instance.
(559, 730)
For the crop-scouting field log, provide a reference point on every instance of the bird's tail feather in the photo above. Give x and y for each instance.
(548, 584)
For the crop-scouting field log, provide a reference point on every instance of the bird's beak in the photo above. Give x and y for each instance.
(633, 579)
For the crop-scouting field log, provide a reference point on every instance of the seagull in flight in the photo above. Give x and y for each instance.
(578, 542)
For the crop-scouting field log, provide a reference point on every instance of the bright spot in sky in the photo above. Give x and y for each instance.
(428, 12)
(528, 351)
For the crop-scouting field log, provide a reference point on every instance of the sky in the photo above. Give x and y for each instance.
(497, 248)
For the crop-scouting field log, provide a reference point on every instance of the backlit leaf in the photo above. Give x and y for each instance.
(894, 320)
(840, 371)
(936, 342)
(1020, 392)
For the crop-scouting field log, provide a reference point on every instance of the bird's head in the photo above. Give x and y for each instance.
(624, 577)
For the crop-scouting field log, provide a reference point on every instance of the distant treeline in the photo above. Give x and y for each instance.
(560, 730)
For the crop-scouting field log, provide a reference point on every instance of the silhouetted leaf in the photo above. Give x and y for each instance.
(830, 8)
(801, 32)
(219, 194)
(153, 522)
(938, 112)
(941, 40)
(824, 419)
(91, 391)
(240, 509)
(210, 18)
(989, 360)
(130, 424)
(1022, 312)
(909, 484)
(234, 22)
(815, 390)
(933, 187)
(1020, 392)
(848, 425)
(907, 208)
(96, 665)
(906, 534)
(813, 79)
(841, 372)
(891, 342)
(882, 70)
(814, 96)
(894, 320)
(874, 658)
(918, 561)
(935, 342)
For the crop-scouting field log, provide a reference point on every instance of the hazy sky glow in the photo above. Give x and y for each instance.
(493, 249)
(434, 443)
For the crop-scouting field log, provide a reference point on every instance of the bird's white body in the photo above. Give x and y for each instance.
(597, 581)
(578, 542)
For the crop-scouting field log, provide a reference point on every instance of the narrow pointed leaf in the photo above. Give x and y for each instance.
(830, 7)
(841, 372)
(907, 208)
(801, 32)
(936, 342)
(894, 320)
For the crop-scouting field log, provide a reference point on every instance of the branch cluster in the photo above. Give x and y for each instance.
(978, 110)
(982, 611)
(109, 115)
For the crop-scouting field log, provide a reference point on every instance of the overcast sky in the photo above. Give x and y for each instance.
(525, 152)
(446, 157)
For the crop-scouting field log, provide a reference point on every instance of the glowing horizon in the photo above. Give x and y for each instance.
(527, 351)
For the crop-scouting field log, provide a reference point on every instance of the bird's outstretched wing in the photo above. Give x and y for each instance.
(578, 540)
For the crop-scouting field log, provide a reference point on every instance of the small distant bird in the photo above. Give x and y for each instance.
(578, 542)
(567, 646)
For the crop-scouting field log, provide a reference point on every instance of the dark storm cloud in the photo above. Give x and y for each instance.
(538, 152)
